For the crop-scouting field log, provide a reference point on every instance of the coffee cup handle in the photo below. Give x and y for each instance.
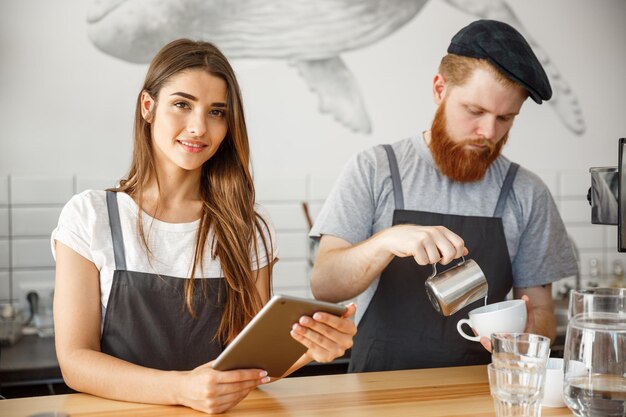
(465, 335)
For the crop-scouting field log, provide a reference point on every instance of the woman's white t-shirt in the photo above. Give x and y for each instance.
(84, 227)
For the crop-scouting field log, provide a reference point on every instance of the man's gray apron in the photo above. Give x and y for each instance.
(401, 329)
(147, 321)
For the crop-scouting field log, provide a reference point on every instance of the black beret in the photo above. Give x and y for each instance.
(507, 50)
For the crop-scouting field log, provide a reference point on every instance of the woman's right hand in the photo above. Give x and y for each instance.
(427, 244)
(211, 391)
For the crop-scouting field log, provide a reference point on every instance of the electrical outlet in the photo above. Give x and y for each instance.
(44, 290)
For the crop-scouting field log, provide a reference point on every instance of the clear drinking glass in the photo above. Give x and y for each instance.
(595, 345)
(516, 391)
(522, 350)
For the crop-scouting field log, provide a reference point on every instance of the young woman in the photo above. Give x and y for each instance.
(156, 276)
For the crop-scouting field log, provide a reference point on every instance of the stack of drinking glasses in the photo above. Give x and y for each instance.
(517, 373)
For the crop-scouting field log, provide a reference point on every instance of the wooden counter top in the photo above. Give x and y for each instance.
(460, 391)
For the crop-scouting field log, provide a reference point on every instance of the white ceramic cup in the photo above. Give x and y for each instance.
(503, 317)
(553, 390)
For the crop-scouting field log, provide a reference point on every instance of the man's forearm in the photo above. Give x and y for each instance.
(343, 273)
(545, 322)
(542, 309)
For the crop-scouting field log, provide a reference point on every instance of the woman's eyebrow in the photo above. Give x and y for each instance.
(194, 98)
(185, 95)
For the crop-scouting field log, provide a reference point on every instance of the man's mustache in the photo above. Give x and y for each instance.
(489, 145)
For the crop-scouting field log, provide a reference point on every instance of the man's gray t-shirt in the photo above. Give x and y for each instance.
(361, 203)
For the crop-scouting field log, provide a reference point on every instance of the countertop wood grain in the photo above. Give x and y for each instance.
(459, 391)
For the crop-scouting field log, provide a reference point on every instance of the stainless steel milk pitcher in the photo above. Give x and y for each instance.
(456, 287)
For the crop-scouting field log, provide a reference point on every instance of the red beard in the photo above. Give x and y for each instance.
(453, 158)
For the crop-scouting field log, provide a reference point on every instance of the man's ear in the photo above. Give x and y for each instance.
(147, 106)
(439, 88)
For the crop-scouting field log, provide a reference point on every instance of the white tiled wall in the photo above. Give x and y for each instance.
(4, 221)
(4, 282)
(33, 205)
(43, 190)
(4, 191)
(29, 210)
(575, 210)
(4, 255)
(32, 221)
(286, 216)
(574, 184)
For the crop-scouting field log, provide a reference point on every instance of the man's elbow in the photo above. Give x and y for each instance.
(319, 287)
(323, 288)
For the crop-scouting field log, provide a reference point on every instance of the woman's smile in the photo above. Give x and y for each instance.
(192, 146)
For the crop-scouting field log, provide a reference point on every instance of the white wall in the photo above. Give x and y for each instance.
(66, 109)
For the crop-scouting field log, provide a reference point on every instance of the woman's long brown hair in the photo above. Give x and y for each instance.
(226, 186)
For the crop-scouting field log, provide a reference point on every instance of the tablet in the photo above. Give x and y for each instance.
(266, 342)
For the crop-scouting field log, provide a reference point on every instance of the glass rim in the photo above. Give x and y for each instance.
(600, 292)
(515, 336)
(603, 169)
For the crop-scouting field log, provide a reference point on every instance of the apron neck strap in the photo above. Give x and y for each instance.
(395, 178)
(398, 197)
(507, 185)
(116, 231)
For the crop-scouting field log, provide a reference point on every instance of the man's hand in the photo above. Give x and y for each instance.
(427, 244)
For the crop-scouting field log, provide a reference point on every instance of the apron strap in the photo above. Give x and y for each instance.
(507, 185)
(116, 231)
(396, 183)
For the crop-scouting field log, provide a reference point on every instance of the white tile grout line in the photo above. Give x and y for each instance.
(10, 237)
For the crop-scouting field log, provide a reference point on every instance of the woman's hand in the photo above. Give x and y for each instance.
(211, 391)
(325, 335)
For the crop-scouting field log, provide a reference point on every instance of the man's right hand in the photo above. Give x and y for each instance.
(343, 270)
(427, 244)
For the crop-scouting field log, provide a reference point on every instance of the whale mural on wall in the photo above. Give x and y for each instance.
(309, 34)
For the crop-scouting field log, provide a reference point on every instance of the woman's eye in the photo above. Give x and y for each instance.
(217, 113)
(474, 112)
(181, 105)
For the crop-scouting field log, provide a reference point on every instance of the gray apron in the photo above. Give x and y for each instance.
(147, 322)
(401, 329)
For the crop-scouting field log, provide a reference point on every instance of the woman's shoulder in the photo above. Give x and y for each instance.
(83, 218)
(262, 211)
(264, 214)
(87, 202)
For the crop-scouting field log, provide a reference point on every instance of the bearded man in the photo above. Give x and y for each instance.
(396, 209)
